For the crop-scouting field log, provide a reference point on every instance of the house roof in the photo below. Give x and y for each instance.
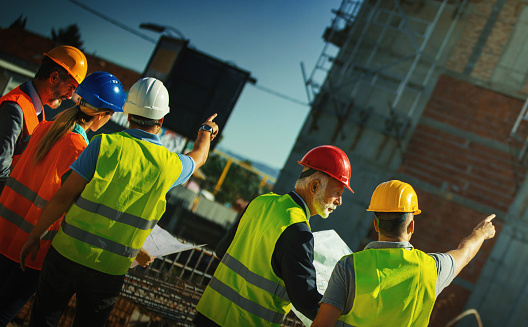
(25, 49)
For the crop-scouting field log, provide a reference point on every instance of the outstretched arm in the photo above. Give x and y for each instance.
(469, 247)
(200, 150)
(61, 201)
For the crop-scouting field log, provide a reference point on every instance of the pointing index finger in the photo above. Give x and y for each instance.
(490, 218)
(212, 117)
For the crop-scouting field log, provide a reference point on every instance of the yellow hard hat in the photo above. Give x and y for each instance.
(72, 59)
(394, 196)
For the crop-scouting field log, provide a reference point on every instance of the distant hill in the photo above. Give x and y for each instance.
(274, 172)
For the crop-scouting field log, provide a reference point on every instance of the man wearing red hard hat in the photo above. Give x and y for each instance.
(267, 256)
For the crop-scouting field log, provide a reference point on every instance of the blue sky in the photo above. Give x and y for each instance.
(267, 38)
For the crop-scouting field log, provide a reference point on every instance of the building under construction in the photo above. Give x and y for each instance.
(429, 92)
(432, 93)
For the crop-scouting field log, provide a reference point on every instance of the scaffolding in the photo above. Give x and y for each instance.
(384, 53)
(517, 133)
(344, 17)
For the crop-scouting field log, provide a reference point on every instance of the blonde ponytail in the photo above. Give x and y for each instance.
(63, 123)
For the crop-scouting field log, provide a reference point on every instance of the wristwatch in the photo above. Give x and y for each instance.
(206, 128)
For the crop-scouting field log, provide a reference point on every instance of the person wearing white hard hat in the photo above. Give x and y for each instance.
(113, 198)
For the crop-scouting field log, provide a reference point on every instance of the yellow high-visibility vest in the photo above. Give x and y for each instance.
(394, 287)
(245, 291)
(107, 225)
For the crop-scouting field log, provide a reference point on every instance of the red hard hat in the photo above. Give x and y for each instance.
(331, 160)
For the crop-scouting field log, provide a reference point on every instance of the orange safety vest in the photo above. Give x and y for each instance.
(28, 190)
(28, 109)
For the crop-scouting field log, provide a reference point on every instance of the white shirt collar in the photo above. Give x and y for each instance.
(34, 98)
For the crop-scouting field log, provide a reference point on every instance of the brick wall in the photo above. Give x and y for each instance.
(440, 228)
(451, 160)
(459, 165)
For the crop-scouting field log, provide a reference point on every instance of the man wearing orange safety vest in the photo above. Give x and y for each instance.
(391, 283)
(61, 71)
(267, 257)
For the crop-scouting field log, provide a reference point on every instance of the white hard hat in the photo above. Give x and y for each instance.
(148, 98)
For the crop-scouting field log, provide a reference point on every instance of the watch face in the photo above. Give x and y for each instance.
(207, 128)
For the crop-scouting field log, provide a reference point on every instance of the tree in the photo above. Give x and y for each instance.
(20, 22)
(70, 35)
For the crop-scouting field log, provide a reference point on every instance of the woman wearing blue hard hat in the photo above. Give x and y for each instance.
(37, 176)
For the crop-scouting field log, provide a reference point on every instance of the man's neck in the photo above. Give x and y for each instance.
(383, 238)
(41, 90)
(304, 205)
(305, 196)
(149, 129)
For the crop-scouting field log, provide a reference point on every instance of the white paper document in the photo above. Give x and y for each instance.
(160, 243)
(328, 249)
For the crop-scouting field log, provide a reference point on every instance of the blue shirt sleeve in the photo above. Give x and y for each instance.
(87, 161)
(187, 169)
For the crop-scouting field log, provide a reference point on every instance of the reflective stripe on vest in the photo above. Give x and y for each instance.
(252, 278)
(26, 192)
(394, 286)
(24, 225)
(116, 215)
(107, 225)
(242, 302)
(18, 220)
(98, 241)
(245, 291)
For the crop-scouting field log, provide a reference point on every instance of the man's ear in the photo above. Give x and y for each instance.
(410, 228)
(54, 78)
(314, 185)
(376, 227)
(160, 121)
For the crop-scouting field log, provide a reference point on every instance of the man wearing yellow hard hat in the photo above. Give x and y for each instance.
(61, 71)
(391, 283)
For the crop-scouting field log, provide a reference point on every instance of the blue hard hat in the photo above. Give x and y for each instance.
(102, 90)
